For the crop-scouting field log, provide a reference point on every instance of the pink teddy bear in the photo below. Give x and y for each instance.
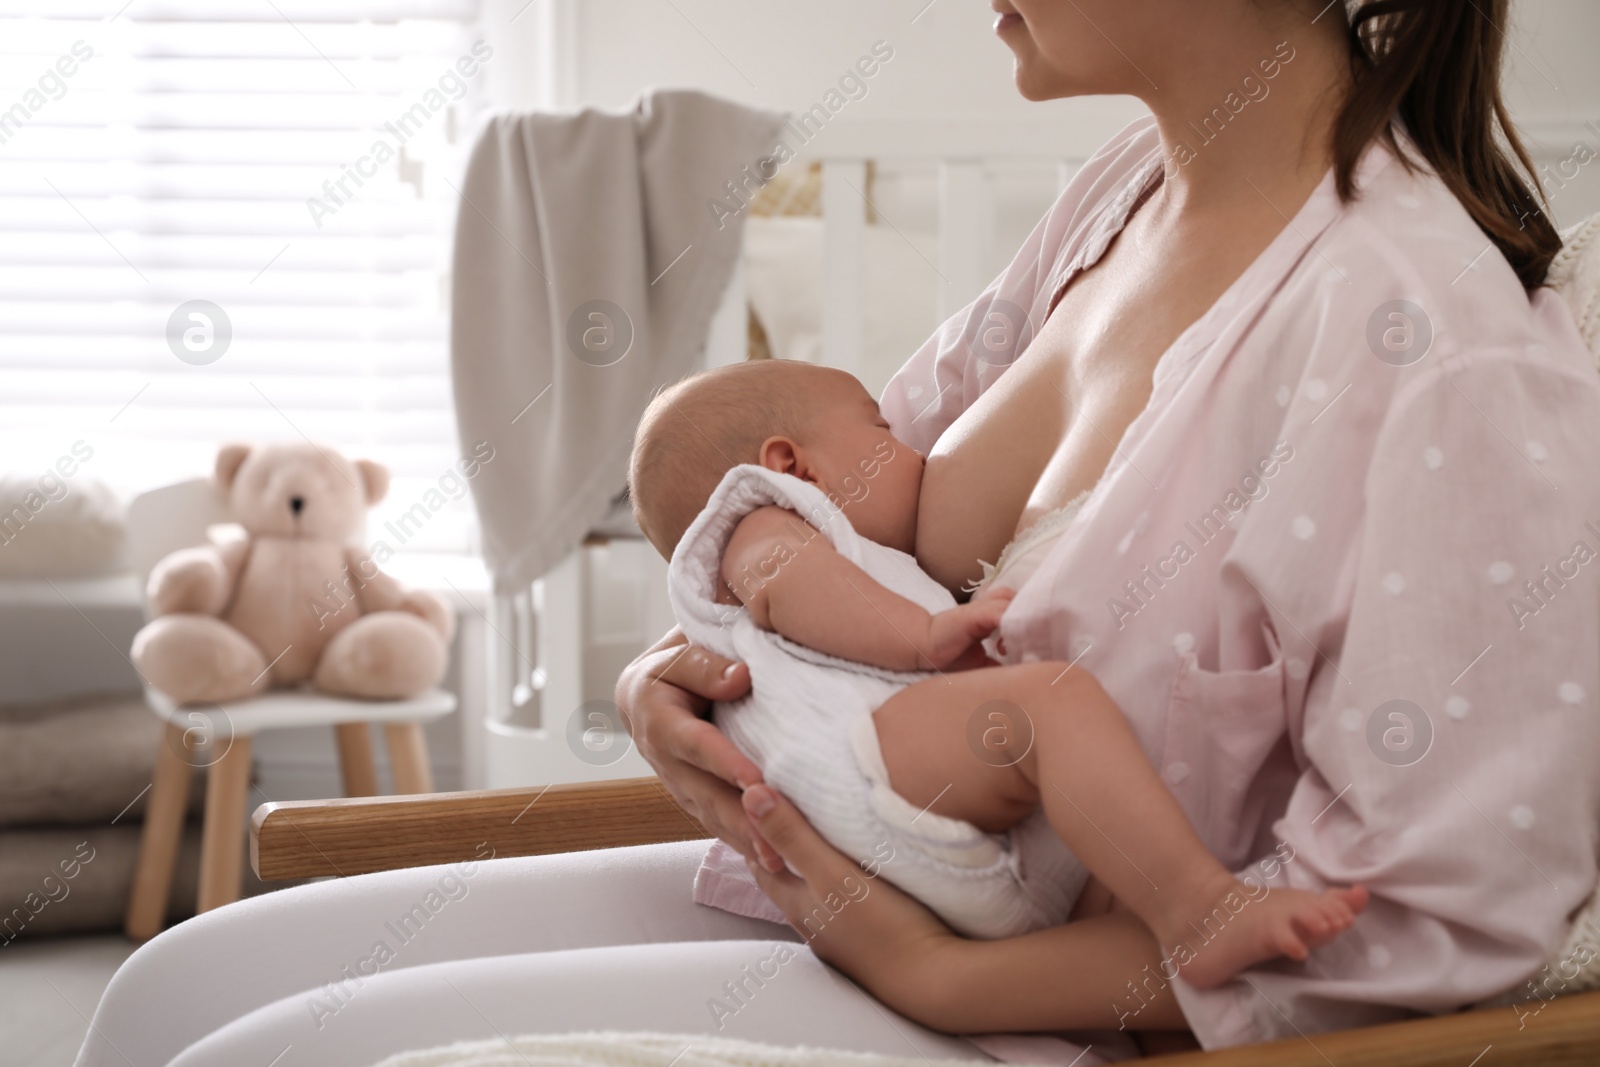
(297, 599)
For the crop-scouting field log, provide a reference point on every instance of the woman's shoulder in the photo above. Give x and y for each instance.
(1401, 322)
(950, 370)
(1090, 207)
(1129, 150)
(1113, 176)
(1406, 267)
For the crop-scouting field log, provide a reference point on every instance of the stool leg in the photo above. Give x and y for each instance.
(356, 769)
(408, 757)
(158, 841)
(222, 839)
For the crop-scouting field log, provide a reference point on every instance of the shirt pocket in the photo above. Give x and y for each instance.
(1221, 727)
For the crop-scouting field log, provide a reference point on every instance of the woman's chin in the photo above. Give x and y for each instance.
(1037, 81)
(1030, 73)
(1031, 86)
(1027, 90)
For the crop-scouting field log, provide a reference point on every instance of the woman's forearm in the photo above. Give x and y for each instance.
(1083, 975)
(1097, 973)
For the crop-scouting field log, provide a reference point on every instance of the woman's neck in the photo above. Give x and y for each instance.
(1254, 121)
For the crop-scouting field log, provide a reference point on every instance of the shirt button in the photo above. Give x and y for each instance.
(1177, 771)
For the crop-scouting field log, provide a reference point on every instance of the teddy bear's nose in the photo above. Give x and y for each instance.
(296, 504)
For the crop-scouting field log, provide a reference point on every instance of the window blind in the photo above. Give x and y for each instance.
(227, 221)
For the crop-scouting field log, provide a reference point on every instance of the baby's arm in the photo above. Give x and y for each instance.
(791, 580)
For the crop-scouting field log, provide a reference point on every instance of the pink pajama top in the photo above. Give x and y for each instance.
(1340, 575)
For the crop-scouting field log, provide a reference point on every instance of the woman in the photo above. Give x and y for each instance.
(1338, 457)
(1271, 573)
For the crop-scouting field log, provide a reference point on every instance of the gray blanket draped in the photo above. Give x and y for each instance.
(588, 265)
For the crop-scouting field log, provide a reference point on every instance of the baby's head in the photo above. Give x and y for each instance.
(815, 423)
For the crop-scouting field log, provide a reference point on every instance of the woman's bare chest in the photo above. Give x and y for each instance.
(1065, 405)
(1048, 428)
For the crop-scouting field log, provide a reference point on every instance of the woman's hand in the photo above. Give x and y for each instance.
(852, 918)
(662, 695)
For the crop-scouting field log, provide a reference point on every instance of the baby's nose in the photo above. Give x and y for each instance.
(297, 504)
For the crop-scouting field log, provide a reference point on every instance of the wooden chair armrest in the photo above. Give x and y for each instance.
(358, 835)
(1564, 1032)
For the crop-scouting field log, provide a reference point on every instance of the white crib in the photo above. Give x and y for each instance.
(542, 635)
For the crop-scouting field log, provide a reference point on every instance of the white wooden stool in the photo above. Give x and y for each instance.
(218, 737)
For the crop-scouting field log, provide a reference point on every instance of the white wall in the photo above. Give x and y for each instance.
(1554, 74)
(1553, 89)
(947, 63)
(779, 55)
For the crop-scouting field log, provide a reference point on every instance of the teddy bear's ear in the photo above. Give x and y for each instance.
(229, 459)
(375, 477)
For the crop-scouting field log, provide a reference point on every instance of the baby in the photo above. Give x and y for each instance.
(789, 512)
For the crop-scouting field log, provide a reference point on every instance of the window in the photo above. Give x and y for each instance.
(230, 221)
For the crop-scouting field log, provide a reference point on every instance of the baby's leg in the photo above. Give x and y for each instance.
(952, 745)
(990, 745)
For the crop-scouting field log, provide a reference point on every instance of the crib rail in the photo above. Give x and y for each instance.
(961, 151)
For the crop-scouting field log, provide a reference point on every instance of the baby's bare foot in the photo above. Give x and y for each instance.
(1246, 925)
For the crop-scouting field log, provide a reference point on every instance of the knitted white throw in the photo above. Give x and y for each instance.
(1575, 274)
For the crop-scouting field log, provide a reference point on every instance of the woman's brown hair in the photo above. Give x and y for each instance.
(1436, 65)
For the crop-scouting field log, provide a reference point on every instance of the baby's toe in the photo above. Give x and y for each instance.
(1291, 944)
(1355, 898)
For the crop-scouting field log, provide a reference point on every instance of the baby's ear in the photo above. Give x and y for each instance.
(779, 455)
(229, 459)
(374, 479)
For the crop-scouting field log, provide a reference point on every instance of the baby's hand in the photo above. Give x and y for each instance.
(951, 633)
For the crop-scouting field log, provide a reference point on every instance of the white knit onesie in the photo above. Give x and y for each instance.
(807, 723)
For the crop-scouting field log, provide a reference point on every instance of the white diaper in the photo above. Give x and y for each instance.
(808, 724)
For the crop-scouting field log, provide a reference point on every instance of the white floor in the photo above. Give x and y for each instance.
(48, 991)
